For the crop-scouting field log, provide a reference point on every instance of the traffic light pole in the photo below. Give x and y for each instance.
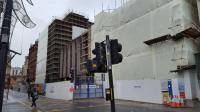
(109, 67)
(4, 47)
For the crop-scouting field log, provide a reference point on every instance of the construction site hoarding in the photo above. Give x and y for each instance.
(139, 21)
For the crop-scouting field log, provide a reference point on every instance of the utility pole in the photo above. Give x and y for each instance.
(110, 75)
(4, 46)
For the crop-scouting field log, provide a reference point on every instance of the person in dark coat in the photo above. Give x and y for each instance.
(29, 92)
(34, 95)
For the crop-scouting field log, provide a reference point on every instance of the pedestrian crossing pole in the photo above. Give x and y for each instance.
(110, 75)
(4, 46)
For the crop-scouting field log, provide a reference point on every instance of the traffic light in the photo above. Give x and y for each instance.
(100, 52)
(115, 49)
(100, 59)
(97, 51)
(91, 66)
(108, 94)
(99, 63)
(72, 75)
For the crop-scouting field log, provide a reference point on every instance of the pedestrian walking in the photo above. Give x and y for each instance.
(29, 92)
(34, 95)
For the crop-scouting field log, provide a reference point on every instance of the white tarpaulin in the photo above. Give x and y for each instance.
(141, 20)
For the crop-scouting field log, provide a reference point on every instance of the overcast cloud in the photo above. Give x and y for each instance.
(42, 14)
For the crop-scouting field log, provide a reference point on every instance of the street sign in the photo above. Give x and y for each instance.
(71, 89)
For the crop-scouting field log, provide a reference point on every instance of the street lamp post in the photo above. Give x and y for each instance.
(4, 46)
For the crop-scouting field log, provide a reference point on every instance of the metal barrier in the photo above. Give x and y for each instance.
(87, 87)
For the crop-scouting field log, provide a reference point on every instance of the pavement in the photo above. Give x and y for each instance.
(14, 103)
(18, 102)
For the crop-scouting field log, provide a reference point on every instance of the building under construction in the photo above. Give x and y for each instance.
(81, 52)
(85, 50)
(160, 39)
(60, 47)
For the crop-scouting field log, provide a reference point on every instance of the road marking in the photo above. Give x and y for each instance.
(92, 106)
(56, 110)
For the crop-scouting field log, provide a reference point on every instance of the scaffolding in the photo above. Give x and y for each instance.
(59, 45)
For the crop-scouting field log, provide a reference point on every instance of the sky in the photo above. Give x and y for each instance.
(44, 11)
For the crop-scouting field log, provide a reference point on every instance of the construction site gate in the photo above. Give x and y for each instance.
(88, 87)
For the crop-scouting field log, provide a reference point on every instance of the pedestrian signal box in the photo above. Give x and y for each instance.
(108, 94)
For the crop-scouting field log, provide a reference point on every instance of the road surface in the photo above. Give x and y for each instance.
(18, 102)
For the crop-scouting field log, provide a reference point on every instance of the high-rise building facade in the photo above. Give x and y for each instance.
(25, 67)
(32, 61)
(59, 46)
(16, 71)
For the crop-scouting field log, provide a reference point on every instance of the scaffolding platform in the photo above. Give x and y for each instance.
(188, 33)
(181, 68)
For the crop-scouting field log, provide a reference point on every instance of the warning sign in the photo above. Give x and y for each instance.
(71, 89)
